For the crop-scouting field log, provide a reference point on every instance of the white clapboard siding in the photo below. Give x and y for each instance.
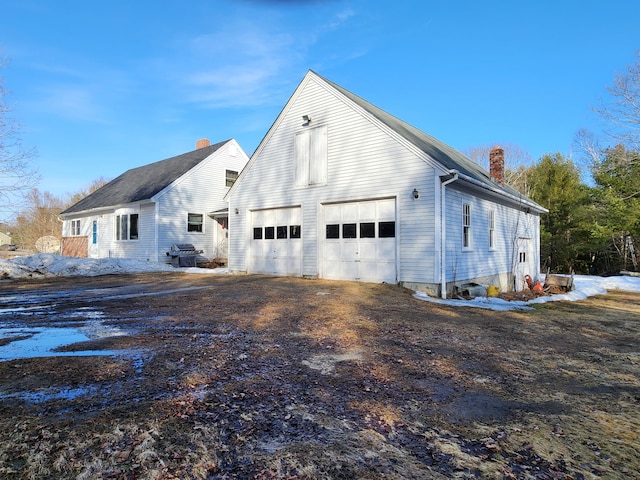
(364, 162)
(163, 219)
(480, 260)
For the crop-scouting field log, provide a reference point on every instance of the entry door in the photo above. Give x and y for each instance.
(359, 241)
(276, 242)
(524, 263)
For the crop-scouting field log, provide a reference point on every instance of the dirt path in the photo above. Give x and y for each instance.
(258, 377)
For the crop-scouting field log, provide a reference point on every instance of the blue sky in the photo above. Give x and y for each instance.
(103, 86)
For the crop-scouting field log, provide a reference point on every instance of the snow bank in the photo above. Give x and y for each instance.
(585, 286)
(44, 265)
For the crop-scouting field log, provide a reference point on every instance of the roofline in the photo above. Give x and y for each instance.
(269, 133)
(522, 199)
(107, 208)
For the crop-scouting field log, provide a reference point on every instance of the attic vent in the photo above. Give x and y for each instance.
(202, 143)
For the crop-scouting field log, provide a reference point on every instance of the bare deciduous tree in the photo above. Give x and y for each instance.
(39, 219)
(516, 162)
(16, 174)
(621, 111)
(85, 191)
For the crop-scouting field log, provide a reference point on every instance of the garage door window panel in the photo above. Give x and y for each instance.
(387, 229)
(368, 230)
(333, 231)
(294, 231)
(257, 233)
(281, 232)
(269, 233)
(349, 230)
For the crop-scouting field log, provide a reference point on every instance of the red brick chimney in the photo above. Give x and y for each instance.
(202, 143)
(496, 164)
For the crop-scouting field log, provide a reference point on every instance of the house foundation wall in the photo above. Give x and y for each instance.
(500, 280)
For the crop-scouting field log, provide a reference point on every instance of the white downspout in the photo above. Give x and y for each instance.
(443, 235)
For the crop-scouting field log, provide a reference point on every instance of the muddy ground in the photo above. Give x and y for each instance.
(258, 377)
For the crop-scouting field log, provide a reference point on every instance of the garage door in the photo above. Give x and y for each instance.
(360, 241)
(276, 242)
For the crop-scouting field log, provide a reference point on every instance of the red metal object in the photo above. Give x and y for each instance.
(536, 287)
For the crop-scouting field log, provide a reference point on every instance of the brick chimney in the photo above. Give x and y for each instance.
(496, 164)
(202, 143)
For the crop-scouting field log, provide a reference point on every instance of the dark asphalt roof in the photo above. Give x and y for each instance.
(144, 182)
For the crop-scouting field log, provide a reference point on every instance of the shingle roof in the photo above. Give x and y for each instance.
(144, 182)
(447, 156)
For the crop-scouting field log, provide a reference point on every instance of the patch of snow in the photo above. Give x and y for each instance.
(585, 286)
(44, 265)
(49, 265)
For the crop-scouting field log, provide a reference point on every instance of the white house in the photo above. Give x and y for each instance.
(340, 189)
(146, 210)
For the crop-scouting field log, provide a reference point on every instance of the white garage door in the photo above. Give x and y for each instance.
(276, 243)
(360, 241)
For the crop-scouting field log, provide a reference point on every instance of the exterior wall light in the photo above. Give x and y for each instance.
(237, 211)
(416, 193)
(306, 119)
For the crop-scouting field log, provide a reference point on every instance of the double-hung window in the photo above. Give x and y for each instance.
(310, 157)
(127, 227)
(466, 226)
(230, 177)
(195, 222)
(75, 228)
(492, 229)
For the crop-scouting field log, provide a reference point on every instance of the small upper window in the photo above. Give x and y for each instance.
(75, 228)
(195, 222)
(230, 177)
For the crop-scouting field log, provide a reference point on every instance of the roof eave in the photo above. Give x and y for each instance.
(520, 200)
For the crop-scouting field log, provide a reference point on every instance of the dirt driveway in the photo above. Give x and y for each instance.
(259, 377)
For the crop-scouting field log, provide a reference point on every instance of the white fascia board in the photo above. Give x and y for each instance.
(519, 200)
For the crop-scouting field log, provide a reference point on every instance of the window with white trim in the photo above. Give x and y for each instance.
(466, 225)
(310, 157)
(195, 222)
(75, 228)
(127, 227)
(230, 177)
(492, 229)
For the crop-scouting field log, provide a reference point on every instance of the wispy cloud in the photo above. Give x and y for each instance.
(72, 102)
(250, 63)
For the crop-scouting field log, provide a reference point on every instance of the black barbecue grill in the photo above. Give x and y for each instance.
(183, 255)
